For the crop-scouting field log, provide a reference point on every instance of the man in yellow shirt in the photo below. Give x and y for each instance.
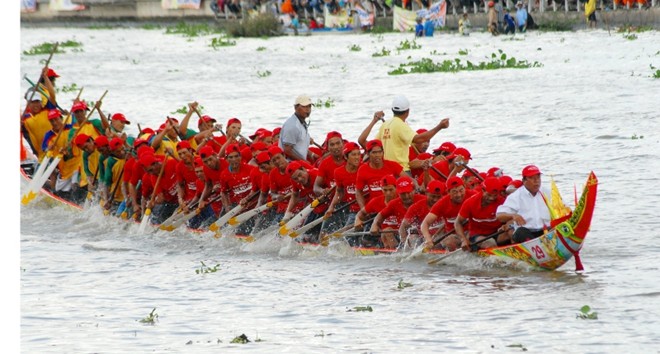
(397, 135)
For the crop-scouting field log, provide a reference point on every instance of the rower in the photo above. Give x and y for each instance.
(446, 209)
(478, 212)
(213, 167)
(236, 184)
(376, 204)
(409, 231)
(344, 178)
(303, 177)
(371, 174)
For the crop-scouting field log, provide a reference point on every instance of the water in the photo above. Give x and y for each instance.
(86, 281)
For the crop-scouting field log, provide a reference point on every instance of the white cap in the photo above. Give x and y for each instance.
(303, 100)
(400, 104)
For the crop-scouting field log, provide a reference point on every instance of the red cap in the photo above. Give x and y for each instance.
(232, 121)
(262, 157)
(256, 133)
(350, 146)
(79, 106)
(453, 182)
(147, 160)
(494, 172)
(148, 131)
(460, 151)
(116, 143)
(81, 139)
(139, 141)
(316, 150)
(468, 173)
(258, 146)
(54, 113)
(373, 143)
(333, 134)
(424, 156)
(171, 119)
(277, 130)
(505, 180)
(52, 73)
(162, 127)
(265, 133)
(101, 141)
(436, 187)
(120, 117)
(404, 185)
(528, 171)
(388, 180)
(293, 167)
(205, 119)
(492, 185)
(516, 183)
(447, 146)
(274, 150)
(232, 148)
(145, 149)
(206, 151)
(199, 162)
(421, 131)
(185, 144)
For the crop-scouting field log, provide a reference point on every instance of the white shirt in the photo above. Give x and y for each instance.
(295, 133)
(532, 208)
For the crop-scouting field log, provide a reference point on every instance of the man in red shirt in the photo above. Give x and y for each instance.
(345, 177)
(236, 184)
(164, 203)
(446, 209)
(303, 184)
(478, 212)
(281, 184)
(390, 218)
(412, 221)
(213, 167)
(370, 175)
(366, 215)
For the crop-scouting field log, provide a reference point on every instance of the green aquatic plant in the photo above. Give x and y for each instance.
(43, 48)
(69, 88)
(403, 285)
(264, 73)
(408, 45)
(498, 60)
(435, 52)
(636, 137)
(517, 345)
(242, 339)
(192, 29)
(330, 102)
(263, 25)
(261, 49)
(204, 269)
(587, 314)
(354, 48)
(383, 53)
(630, 37)
(151, 318)
(222, 42)
(462, 52)
(361, 309)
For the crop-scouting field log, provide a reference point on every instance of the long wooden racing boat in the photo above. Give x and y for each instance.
(548, 252)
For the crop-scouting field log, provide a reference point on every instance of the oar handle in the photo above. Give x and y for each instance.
(435, 169)
(52, 52)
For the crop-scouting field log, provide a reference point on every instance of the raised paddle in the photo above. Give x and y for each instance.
(472, 171)
(147, 213)
(34, 91)
(440, 258)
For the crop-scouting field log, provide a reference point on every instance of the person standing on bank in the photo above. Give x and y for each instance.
(397, 136)
(526, 209)
(294, 136)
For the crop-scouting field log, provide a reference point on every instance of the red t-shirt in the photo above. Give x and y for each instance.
(442, 166)
(167, 184)
(237, 184)
(481, 220)
(280, 184)
(344, 179)
(375, 205)
(395, 210)
(186, 174)
(372, 178)
(327, 169)
(306, 193)
(128, 169)
(448, 210)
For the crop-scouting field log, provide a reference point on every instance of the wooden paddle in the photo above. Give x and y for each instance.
(302, 215)
(241, 218)
(107, 206)
(438, 259)
(147, 213)
(222, 221)
(34, 91)
(311, 225)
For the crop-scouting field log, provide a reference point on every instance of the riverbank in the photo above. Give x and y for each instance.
(136, 13)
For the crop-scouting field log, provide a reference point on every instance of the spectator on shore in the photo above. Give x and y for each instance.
(464, 25)
(521, 17)
(509, 23)
(419, 27)
(429, 26)
(492, 19)
(500, 15)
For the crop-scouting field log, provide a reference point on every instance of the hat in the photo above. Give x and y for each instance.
(303, 100)
(453, 182)
(258, 146)
(116, 143)
(101, 141)
(447, 146)
(491, 4)
(35, 95)
(436, 187)
(424, 156)
(293, 167)
(147, 131)
(198, 162)
(147, 160)
(404, 185)
(232, 148)
(460, 151)
(468, 173)
(492, 185)
(262, 157)
(162, 127)
(256, 133)
(519, 3)
(206, 151)
(505, 180)
(421, 131)
(52, 73)
(145, 149)
(388, 180)
(350, 146)
(185, 144)
(516, 183)
(81, 139)
(400, 104)
(78, 106)
(530, 171)
(265, 133)
(274, 150)
(371, 144)
(233, 121)
(494, 172)
(277, 130)
(205, 119)
(54, 113)
(333, 134)
(120, 117)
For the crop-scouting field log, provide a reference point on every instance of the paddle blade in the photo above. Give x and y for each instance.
(232, 221)
(28, 198)
(284, 230)
(213, 227)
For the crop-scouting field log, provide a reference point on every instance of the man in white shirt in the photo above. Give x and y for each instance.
(294, 137)
(526, 209)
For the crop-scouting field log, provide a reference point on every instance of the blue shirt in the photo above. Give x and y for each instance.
(521, 16)
(419, 30)
(509, 20)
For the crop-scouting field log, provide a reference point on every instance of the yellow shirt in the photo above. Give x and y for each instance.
(37, 126)
(90, 130)
(396, 136)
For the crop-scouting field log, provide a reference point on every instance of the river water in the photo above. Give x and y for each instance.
(86, 281)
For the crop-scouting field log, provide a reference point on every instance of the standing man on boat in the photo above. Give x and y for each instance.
(294, 136)
(397, 135)
(526, 209)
